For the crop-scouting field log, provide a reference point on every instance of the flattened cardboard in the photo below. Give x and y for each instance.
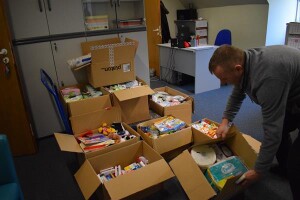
(157, 171)
(182, 111)
(169, 142)
(190, 177)
(112, 61)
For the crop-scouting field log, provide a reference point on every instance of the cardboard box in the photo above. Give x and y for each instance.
(167, 143)
(156, 172)
(92, 121)
(84, 106)
(112, 61)
(133, 102)
(183, 111)
(192, 178)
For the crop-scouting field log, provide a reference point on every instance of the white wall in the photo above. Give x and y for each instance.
(172, 6)
(280, 13)
(247, 23)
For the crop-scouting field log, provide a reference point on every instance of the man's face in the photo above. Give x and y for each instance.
(232, 77)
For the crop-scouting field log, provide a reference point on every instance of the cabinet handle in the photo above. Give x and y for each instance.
(40, 5)
(49, 5)
(118, 1)
(55, 47)
(111, 3)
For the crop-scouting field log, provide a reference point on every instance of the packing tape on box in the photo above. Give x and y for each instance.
(110, 48)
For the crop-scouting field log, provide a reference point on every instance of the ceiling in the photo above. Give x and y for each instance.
(218, 3)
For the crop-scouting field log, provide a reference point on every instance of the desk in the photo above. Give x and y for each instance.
(192, 61)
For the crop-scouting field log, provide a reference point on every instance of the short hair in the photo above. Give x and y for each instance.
(226, 56)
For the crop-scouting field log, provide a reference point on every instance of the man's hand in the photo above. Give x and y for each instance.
(250, 177)
(223, 129)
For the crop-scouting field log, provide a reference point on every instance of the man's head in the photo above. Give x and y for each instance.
(227, 64)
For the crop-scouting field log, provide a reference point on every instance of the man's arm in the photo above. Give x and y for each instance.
(233, 106)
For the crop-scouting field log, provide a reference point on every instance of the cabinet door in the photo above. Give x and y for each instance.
(32, 58)
(64, 16)
(28, 18)
(64, 50)
(130, 13)
(99, 14)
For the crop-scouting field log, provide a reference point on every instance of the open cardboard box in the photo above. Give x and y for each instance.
(133, 102)
(86, 105)
(92, 121)
(192, 178)
(182, 111)
(169, 142)
(112, 60)
(127, 185)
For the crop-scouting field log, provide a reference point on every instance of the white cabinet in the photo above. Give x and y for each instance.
(52, 57)
(64, 50)
(32, 57)
(113, 14)
(35, 18)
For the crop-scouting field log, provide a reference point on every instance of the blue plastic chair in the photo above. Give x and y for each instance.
(51, 87)
(223, 37)
(9, 184)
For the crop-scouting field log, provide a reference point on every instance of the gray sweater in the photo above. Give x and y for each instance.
(272, 80)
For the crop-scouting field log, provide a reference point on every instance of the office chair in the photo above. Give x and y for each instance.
(9, 184)
(223, 37)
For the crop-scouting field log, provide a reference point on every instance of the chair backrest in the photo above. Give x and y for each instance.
(7, 167)
(223, 37)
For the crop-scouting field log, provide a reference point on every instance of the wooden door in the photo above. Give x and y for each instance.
(152, 11)
(14, 120)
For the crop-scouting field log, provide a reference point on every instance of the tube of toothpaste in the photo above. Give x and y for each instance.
(76, 62)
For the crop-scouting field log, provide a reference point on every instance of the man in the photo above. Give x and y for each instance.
(270, 76)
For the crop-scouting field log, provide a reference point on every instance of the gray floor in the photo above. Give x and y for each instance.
(48, 175)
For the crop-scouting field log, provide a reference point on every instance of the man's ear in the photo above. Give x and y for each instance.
(239, 68)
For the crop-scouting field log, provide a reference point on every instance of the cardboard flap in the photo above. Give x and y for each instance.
(252, 142)
(230, 189)
(67, 142)
(94, 120)
(132, 93)
(139, 180)
(87, 180)
(190, 177)
(174, 140)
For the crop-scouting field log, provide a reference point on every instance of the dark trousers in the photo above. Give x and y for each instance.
(288, 154)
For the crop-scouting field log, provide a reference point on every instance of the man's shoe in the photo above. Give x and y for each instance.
(279, 171)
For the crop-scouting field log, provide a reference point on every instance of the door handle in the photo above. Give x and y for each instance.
(3, 52)
(158, 30)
